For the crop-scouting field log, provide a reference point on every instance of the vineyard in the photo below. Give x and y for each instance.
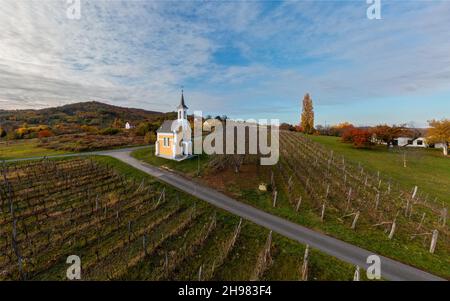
(337, 191)
(125, 228)
(315, 187)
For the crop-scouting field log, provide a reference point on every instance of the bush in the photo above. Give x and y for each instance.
(109, 131)
(2, 133)
(89, 129)
(12, 135)
(44, 134)
(142, 129)
(359, 138)
(287, 127)
(150, 137)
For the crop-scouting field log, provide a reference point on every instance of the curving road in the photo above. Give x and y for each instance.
(390, 269)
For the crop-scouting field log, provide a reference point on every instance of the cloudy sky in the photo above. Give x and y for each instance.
(245, 59)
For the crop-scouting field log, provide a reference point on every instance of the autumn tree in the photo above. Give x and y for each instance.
(388, 134)
(142, 129)
(117, 123)
(287, 127)
(2, 132)
(439, 132)
(150, 137)
(44, 134)
(341, 128)
(307, 118)
(360, 138)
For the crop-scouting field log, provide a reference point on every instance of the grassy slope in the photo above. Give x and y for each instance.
(24, 149)
(426, 168)
(188, 167)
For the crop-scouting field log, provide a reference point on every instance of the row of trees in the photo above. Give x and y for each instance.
(145, 129)
(437, 133)
(26, 131)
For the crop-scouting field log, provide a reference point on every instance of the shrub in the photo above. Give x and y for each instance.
(150, 137)
(287, 127)
(109, 131)
(2, 133)
(358, 137)
(89, 129)
(44, 134)
(142, 129)
(12, 135)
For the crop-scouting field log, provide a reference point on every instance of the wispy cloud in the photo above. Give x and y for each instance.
(236, 58)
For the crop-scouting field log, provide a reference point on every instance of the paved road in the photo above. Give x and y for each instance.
(102, 152)
(390, 269)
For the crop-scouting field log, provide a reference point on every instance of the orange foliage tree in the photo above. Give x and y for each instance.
(358, 137)
(387, 134)
(439, 132)
(44, 134)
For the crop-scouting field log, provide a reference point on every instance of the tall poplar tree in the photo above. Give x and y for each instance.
(307, 118)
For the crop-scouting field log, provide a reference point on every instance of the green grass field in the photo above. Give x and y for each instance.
(190, 167)
(24, 149)
(426, 168)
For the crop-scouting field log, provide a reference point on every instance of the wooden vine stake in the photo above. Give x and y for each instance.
(166, 265)
(444, 217)
(141, 186)
(305, 264)
(267, 256)
(414, 192)
(355, 220)
(264, 259)
(144, 243)
(421, 221)
(275, 194)
(298, 204)
(356, 276)
(235, 236)
(349, 198)
(290, 184)
(377, 201)
(200, 273)
(96, 203)
(409, 202)
(322, 215)
(394, 225)
(434, 241)
(213, 268)
(129, 231)
(162, 197)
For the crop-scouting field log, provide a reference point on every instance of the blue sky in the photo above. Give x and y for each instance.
(252, 59)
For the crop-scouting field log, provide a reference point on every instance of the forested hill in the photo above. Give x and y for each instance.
(82, 113)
